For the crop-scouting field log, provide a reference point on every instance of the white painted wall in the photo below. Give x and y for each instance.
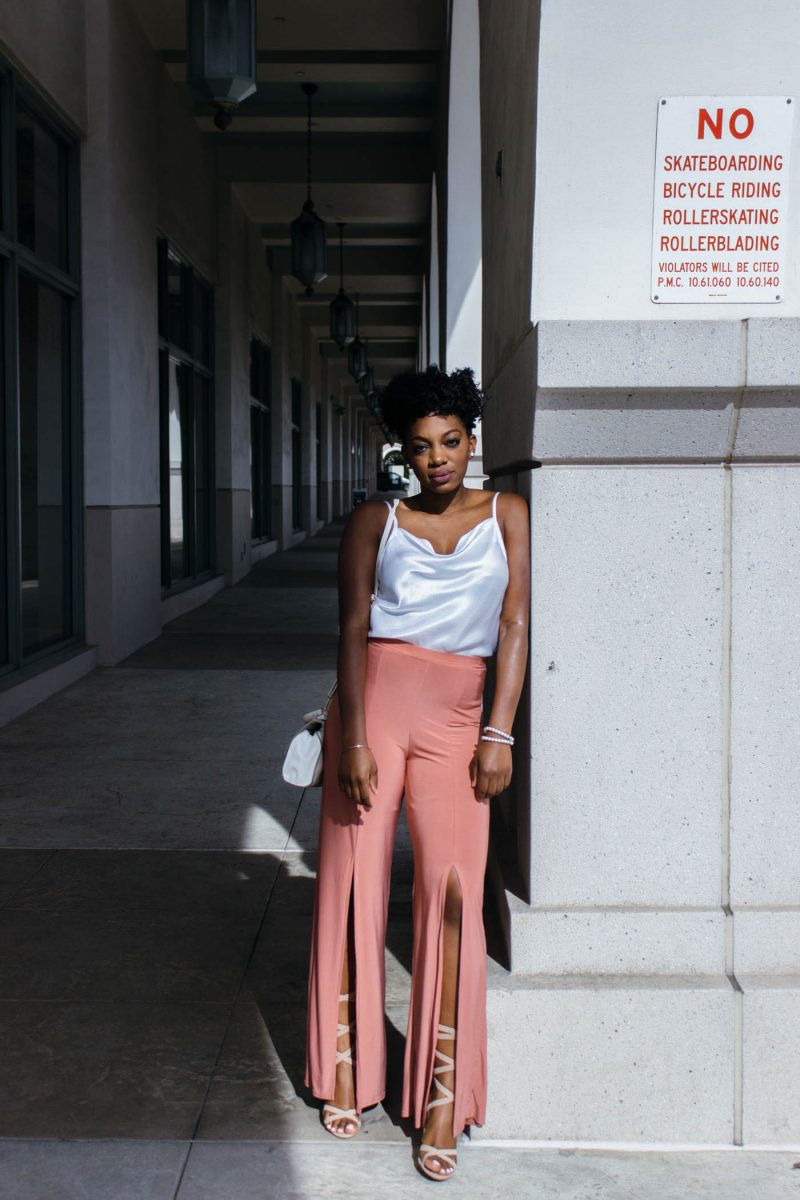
(464, 291)
(602, 69)
(433, 280)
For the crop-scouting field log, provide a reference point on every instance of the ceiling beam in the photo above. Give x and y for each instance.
(359, 261)
(356, 234)
(383, 57)
(338, 158)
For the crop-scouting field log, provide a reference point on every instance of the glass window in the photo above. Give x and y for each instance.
(187, 420)
(41, 599)
(45, 533)
(5, 482)
(201, 321)
(318, 439)
(202, 506)
(297, 451)
(41, 208)
(176, 301)
(178, 542)
(260, 440)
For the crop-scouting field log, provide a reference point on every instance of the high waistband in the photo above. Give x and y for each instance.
(443, 657)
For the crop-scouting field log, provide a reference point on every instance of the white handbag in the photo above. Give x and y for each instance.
(302, 765)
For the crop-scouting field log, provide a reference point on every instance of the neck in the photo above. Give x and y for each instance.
(431, 502)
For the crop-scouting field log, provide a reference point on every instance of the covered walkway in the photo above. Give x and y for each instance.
(157, 883)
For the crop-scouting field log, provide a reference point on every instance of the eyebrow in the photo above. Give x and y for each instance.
(419, 438)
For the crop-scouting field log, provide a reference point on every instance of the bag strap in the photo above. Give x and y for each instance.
(329, 697)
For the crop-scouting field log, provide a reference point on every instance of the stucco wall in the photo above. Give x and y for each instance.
(603, 68)
(46, 43)
(186, 178)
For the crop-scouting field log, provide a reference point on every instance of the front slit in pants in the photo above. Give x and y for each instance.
(423, 713)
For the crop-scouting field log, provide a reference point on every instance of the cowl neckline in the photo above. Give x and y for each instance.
(429, 543)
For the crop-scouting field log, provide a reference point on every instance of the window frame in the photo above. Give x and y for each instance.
(261, 451)
(17, 259)
(193, 283)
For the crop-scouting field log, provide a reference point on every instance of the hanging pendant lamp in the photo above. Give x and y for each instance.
(309, 254)
(221, 53)
(341, 309)
(357, 353)
(366, 384)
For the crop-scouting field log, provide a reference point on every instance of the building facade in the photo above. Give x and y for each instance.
(174, 410)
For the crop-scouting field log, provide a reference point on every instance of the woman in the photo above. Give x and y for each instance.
(429, 588)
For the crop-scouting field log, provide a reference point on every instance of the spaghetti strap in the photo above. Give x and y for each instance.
(500, 537)
(391, 520)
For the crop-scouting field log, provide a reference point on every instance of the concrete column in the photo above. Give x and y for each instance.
(232, 390)
(281, 416)
(652, 924)
(120, 336)
(310, 379)
(434, 329)
(337, 445)
(464, 277)
(327, 441)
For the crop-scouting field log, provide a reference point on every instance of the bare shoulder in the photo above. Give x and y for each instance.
(367, 519)
(511, 508)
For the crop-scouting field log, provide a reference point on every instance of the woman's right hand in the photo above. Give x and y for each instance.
(358, 773)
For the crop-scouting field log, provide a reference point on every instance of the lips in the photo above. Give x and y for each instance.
(441, 476)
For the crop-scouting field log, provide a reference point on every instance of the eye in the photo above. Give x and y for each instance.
(453, 442)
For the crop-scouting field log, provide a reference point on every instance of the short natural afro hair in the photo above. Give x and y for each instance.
(431, 392)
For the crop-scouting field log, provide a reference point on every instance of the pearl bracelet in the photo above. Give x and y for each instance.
(502, 735)
(358, 746)
(485, 737)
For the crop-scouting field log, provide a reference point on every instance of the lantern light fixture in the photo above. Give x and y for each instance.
(357, 353)
(366, 384)
(221, 54)
(309, 251)
(341, 308)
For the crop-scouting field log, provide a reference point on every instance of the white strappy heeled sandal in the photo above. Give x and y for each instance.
(332, 1112)
(448, 1157)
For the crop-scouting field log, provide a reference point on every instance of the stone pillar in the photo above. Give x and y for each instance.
(281, 415)
(120, 336)
(651, 903)
(308, 379)
(326, 444)
(464, 277)
(232, 390)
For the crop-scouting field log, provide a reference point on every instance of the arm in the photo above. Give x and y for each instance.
(358, 771)
(490, 771)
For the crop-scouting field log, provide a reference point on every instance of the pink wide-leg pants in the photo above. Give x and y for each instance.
(423, 713)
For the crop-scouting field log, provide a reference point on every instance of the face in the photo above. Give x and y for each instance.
(438, 449)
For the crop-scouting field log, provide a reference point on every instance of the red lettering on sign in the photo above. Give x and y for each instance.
(749, 122)
(704, 119)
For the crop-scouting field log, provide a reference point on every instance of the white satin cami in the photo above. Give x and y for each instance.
(446, 602)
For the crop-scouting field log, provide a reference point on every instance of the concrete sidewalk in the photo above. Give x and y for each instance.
(156, 884)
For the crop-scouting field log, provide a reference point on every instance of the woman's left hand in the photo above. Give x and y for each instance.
(490, 769)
